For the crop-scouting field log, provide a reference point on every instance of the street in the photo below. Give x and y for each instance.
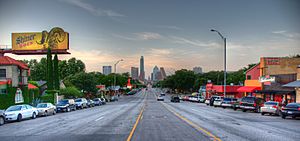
(141, 117)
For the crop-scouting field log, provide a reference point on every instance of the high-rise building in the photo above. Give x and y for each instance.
(197, 70)
(156, 73)
(106, 70)
(135, 73)
(163, 73)
(142, 71)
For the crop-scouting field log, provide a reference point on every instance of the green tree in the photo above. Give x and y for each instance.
(83, 81)
(49, 70)
(70, 92)
(56, 72)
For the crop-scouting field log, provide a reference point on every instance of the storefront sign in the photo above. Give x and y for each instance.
(56, 39)
(19, 96)
(267, 79)
(272, 61)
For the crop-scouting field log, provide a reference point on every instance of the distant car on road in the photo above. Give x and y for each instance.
(162, 94)
(20, 112)
(46, 109)
(114, 98)
(185, 98)
(90, 103)
(160, 98)
(212, 100)
(97, 101)
(292, 109)
(251, 103)
(175, 99)
(228, 102)
(81, 103)
(66, 105)
(271, 107)
(2, 117)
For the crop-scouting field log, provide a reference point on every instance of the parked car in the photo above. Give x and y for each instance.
(218, 101)
(81, 103)
(292, 109)
(46, 109)
(103, 101)
(212, 99)
(185, 98)
(228, 102)
(20, 112)
(236, 104)
(201, 99)
(193, 99)
(114, 98)
(271, 107)
(160, 98)
(90, 103)
(207, 101)
(251, 103)
(175, 99)
(2, 117)
(66, 105)
(97, 101)
(162, 94)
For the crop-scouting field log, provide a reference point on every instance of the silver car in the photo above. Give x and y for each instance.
(271, 107)
(46, 109)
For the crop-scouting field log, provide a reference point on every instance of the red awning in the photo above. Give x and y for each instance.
(30, 86)
(3, 82)
(248, 89)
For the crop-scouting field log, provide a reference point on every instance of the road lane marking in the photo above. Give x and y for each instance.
(191, 123)
(135, 125)
(193, 109)
(99, 118)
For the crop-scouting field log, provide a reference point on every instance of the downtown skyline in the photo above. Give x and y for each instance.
(173, 34)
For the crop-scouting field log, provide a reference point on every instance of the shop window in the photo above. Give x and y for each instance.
(248, 77)
(3, 89)
(2, 73)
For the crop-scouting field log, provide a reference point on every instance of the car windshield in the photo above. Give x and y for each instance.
(41, 106)
(63, 101)
(14, 108)
(248, 99)
(96, 99)
(78, 100)
(271, 103)
(293, 105)
(227, 99)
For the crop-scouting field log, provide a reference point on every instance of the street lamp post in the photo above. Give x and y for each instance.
(224, 39)
(115, 71)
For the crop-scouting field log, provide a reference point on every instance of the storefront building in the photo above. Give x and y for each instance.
(274, 73)
(252, 83)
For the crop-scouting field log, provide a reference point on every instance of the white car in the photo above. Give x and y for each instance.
(19, 112)
(160, 98)
(218, 101)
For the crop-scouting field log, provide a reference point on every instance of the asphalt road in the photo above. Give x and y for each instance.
(141, 118)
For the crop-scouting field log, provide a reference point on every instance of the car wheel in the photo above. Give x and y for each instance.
(33, 115)
(293, 117)
(283, 116)
(224, 107)
(19, 118)
(54, 112)
(46, 113)
(234, 109)
(244, 110)
(68, 109)
(1, 121)
(262, 113)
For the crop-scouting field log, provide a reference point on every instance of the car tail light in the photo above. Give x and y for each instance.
(274, 106)
(299, 109)
(254, 104)
(282, 108)
(241, 103)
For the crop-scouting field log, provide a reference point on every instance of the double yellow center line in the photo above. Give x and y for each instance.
(192, 124)
(135, 124)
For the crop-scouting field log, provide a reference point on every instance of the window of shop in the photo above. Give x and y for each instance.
(3, 89)
(248, 77)
(2, 73)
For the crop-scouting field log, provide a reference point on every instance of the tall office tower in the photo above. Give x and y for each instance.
(134, 73)
(106, 70)
(142, 71)
(163, 73)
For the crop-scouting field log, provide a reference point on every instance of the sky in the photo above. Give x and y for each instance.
(173, 34)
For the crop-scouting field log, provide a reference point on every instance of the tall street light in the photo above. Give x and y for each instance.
(224, 39)
(115, 71)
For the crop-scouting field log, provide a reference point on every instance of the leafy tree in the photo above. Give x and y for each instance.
(49, 70)
(70, 92)
(83, 81)
(56, 72)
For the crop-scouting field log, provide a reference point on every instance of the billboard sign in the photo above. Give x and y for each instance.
(56, 39)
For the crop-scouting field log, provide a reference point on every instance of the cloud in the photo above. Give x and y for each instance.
(197, 43)
(170, 27)
(95, 11)
(140, 36)
(287, 34)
